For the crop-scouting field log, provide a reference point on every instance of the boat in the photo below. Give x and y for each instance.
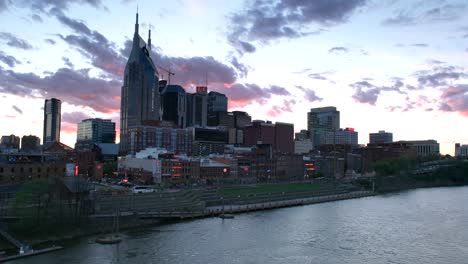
(115, 237)
(226, 216)
(109, 239)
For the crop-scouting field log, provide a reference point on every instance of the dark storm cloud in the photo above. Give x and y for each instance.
(8, 60)
(17, 109)
(265, 21)
(417, 15)
(73, 87)
(338, 50)
(14, 41)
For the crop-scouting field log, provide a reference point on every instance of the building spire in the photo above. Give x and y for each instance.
(136, 23)
(149, 39)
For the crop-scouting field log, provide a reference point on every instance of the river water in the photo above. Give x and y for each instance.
(417, 226)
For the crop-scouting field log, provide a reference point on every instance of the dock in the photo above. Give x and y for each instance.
(30, 253)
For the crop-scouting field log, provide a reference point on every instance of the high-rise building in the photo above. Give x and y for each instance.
(320, 120)
(173, 105)
(423, 148)
(197, 108)
(217, 103)
(461, 150)
(30, 143)
(52, 120)
(140, 100)
(96, 130)
(345, 136)
(280, 135)
(10, 142)
(242, 119)
(284, 137)
(380, 138)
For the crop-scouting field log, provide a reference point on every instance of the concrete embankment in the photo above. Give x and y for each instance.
(216, 210)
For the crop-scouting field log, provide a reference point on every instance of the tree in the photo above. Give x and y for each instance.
(32, 200)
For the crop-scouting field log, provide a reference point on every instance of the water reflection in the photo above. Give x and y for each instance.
(419, 226)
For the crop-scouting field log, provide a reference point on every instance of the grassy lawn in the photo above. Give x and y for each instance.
(233, 191)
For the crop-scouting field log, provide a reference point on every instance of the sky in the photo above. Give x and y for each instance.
(394, 65)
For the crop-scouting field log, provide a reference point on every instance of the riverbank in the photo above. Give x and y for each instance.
(235, 209)
(135, 222)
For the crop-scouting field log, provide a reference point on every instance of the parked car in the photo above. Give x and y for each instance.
(142, 189)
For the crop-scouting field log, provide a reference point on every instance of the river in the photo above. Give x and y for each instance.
(417, 226)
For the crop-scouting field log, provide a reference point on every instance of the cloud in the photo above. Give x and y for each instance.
(15, 42)
(50, 41)
(68, 62)
(417, 45)
(415, 14)
(277, 110)
(455, 99)
(420, 45)
(73, 87)
(439, 76)
(266, 21)
(8, 60)
(46, 6)
(93, 45)
(37, 18)
(241, 68)
(3, 5)
(309, 94)
(241, 95)
(338, 50)
(17, 109)
(74, 117)
(366, 92)
(369, 96)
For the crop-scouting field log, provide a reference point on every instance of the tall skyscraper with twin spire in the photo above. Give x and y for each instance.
(140, 99)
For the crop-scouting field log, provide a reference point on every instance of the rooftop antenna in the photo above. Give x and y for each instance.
(136, 22)
(149, 38)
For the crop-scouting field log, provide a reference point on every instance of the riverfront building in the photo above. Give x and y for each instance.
(321, 120)
(52, 120)
(96, 130)
(461, 150)
(140, 99)
(280, 135)
(174, 105)
(424, 147)
(381, 137)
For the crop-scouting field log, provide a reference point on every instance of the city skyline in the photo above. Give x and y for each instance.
(370, 60)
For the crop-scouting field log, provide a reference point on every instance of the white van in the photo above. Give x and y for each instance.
(142, 189)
